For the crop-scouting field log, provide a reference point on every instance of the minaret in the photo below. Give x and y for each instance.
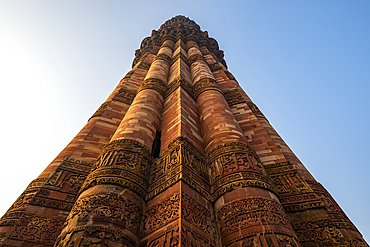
(178, 155)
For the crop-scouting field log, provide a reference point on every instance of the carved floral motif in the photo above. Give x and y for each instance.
(197, 214)
(162, 213)
(37, 229)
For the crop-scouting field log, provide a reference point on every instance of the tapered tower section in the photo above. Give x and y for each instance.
(178, 155)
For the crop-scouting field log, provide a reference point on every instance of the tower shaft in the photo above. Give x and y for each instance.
(178, 155)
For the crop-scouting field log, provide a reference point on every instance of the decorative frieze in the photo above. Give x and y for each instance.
(166, 170)
(233, 97)
(180, 82)
(287, 179)
(93, 236)
(198, 215)
(335, 213)
(125, 96)
(294, 192)
(95, 212)
(37, 229)
(192, 237)
(144, 65)
(162, 213)
(270, 239)
(233, 157)
(196, 57)
(69, 176)
(181, 56)
(250, 212)
(235, 165)
(215, 67)
(164, 57)
(205, 84)
(167, 235)
(180, 151)
(230, 147)
(154, 84)
(64, 182)
(122, 162)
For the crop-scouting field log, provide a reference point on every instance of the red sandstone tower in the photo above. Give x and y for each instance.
(178, 155)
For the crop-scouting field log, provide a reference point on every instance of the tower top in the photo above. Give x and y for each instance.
(174, 21)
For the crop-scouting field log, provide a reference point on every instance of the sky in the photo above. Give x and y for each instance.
(305, 64)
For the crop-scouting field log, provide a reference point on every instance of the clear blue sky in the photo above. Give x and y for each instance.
(304, 63)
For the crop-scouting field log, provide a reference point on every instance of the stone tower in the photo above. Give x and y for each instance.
(178, 155)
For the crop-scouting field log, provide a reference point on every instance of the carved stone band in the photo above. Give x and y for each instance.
(143, 65)
(233, 97)
(180, 56)
(180, 82)
(195, 57)
(127, 155)
(125, 96)
(122, 162)
(154, 84)
(256, 213)
(123, 211)
(126, 144)
(163, 57)
(179, 153)
(205, 85)
(214, 67)
(231, 146)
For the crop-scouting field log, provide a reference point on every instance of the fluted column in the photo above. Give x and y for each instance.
(218, 123)
(109, 211)
(246, 207)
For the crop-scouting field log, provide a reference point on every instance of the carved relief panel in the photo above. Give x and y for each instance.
(198, 215)
(294, 192)
(104, 218)
(179, 160)
(37, 229)
(125, 96)
(162, 213)
(235, 165)
(123, 162)
(286, 179)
